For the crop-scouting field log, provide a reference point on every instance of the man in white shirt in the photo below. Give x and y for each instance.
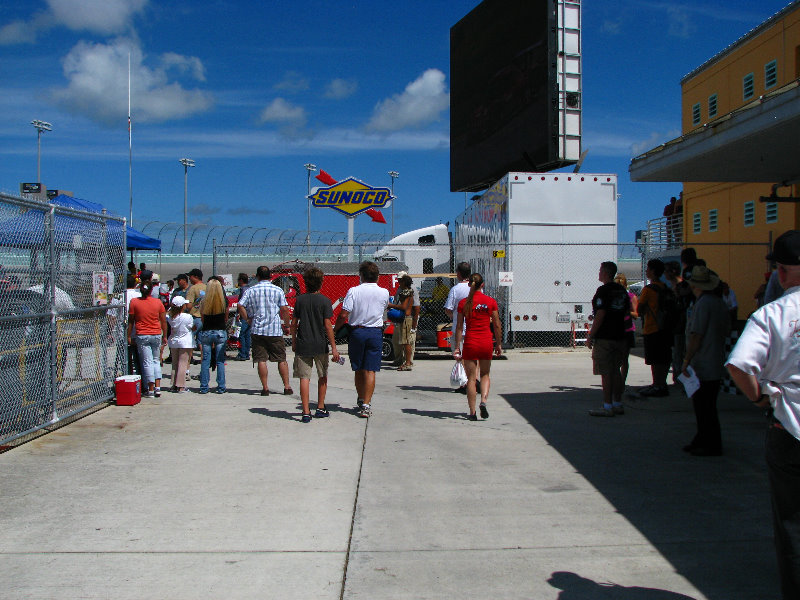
(457, 293)
(764, 366)
(363, 309)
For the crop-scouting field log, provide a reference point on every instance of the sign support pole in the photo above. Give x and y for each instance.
(350, 237)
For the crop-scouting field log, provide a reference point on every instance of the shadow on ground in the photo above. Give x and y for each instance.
(436, 414)
(709, 516)
(576, 587)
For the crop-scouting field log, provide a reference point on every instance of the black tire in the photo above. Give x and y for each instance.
(387, 350)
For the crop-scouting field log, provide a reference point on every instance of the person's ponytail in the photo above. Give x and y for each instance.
(475, 283)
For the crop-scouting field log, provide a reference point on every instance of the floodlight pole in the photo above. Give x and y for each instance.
(186, 162)
(394, 175)
(310, 168)
(40, 127)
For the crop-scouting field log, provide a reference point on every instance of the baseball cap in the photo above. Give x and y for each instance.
(786, 249)
(146, 274)
(179, 301)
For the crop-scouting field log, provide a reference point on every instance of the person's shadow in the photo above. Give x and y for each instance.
(435, 414)
(576, 587)
(297, 415)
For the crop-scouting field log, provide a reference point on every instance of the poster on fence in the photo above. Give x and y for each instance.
(506, 278)
(102, 287)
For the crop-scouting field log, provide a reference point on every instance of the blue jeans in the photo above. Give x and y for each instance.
(198, 327)
(244, 340)
(149, 347)
(218, 340)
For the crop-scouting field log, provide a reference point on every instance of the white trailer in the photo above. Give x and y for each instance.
(548, 232)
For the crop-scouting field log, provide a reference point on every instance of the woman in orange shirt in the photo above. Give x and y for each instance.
(147, 314)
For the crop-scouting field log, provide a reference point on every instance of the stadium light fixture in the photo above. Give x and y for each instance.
(40, 127)
(394, 175)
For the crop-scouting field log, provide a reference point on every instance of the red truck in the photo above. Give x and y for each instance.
(289, 277)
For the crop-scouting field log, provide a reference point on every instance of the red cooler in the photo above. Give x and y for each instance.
(129, 390)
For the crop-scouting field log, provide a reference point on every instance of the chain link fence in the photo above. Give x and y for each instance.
(62, 336)
(544, 300)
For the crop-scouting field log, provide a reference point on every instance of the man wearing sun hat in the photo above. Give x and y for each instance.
(764, 364)
(707, 329)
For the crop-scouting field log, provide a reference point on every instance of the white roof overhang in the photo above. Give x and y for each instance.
(759, 142)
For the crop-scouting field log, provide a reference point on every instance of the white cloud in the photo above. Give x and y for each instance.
(293, 82)
(100, 16)
(421, 103)
(680, 22)
(611, 26)
(339, 89)
(284, 113)
(184, 64)
(204, 209)
(98, 84)
(105, 17)
(656, 138)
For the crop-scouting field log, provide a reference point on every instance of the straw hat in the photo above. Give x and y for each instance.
(704, 279)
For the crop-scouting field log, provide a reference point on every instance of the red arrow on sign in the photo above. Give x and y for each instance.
(325, 178)
(376, 215)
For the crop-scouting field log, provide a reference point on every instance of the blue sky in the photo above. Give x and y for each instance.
(253, 91)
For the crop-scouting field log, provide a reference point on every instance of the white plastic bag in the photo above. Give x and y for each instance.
(458, 376)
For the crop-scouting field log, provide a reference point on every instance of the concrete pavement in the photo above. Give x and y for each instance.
(210, 496)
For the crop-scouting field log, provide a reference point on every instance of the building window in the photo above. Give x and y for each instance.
(697, 223)
(712, 106)
(712, 219)
(770, 74)
(747, 86)
(749, 213)
(772, 212)
(696, 114)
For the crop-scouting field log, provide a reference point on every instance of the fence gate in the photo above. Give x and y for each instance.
(62, 336)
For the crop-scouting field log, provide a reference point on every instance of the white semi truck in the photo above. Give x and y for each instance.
(545, 234)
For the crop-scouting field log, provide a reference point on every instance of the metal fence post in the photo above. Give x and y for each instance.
(214, 256)
(50, 236)
(124, 337)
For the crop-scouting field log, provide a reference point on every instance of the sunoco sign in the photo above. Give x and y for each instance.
(350, 197)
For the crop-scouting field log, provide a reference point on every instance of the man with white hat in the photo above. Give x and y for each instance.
(764, 364)
(707, 329)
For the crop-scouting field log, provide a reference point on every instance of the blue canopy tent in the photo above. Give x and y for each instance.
(135, 240)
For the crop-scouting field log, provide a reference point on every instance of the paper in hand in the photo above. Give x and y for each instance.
(690, 383)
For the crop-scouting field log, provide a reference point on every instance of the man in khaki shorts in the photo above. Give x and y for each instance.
(607, 339)
(265, 308)
(312, 334)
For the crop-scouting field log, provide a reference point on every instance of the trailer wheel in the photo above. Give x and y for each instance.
(387, 350)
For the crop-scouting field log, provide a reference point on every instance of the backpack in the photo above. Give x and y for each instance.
(668, 314)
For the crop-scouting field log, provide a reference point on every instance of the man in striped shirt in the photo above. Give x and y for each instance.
(265, 309)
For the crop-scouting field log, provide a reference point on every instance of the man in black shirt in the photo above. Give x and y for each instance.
(607, 339)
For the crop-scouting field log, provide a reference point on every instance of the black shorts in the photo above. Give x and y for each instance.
(657, 348)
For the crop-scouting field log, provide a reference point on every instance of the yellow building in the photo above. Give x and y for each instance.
(740, 112)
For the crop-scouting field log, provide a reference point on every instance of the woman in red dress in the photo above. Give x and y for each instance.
(482, 335)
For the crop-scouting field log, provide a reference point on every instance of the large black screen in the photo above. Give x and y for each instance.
(503, 92)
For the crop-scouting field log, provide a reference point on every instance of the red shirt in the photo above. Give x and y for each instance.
(479, 319)
(146, 313)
